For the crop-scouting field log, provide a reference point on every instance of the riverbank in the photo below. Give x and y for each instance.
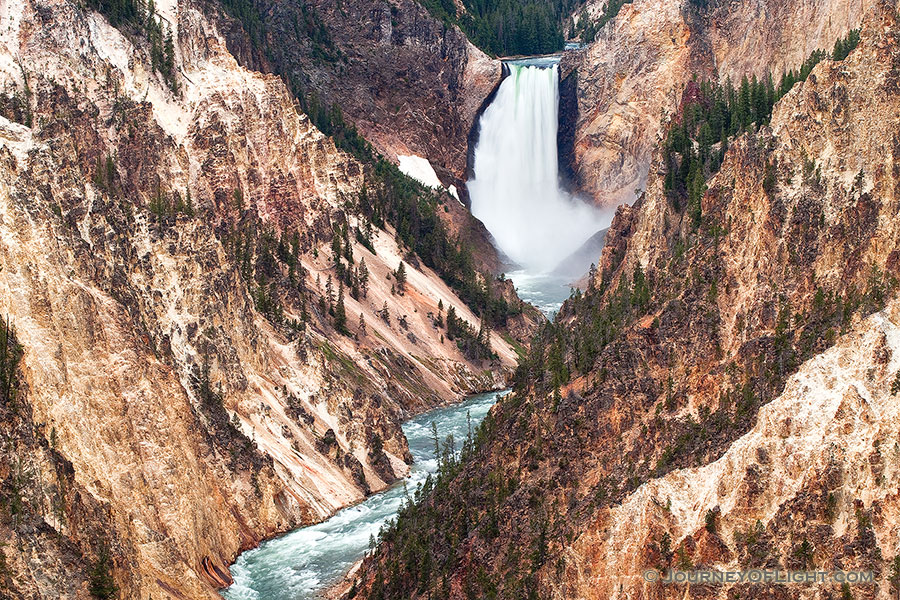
(306, 562)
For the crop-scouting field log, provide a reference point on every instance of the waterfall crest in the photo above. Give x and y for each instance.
(515, 188)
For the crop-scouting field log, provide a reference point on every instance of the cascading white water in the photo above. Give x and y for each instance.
(515, 190)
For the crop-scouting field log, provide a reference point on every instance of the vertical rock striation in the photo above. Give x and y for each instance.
(411, 84)
(723, 395)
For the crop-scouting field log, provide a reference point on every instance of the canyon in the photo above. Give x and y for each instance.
(238, 265)
(723, 393)
(622, 88)
(411, 84)
(168, 268)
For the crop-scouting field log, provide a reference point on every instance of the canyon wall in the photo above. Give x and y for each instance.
(167, 265)
(722, 396)
(411, 84)
(630, 79)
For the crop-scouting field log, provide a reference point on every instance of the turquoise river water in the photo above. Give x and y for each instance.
(303, 563)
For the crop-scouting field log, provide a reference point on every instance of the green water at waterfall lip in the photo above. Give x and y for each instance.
(535, 61)
(304, 563)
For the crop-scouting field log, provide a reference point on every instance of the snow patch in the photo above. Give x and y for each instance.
(453, 192)
(419, 169)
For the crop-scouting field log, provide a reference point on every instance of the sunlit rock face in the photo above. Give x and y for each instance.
(811, 468)
(164, 413)
(632, 76)
(411, 85)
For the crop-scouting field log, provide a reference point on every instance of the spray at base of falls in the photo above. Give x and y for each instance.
(515, 190)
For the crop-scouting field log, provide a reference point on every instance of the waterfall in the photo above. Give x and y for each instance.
(515, 189)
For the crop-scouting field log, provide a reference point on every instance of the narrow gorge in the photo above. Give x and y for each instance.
(309, 562)
(404, 299)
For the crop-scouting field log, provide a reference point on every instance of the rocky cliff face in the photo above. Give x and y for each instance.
(632, 76)
(411, 84)
(165, 264)
(723, 395)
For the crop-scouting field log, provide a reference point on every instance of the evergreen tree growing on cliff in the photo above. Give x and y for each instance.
(102, 585)
(348, 249)
(362, 277)
(400, 276)
(329, 294)
(484, 334)
(436, 440)
(168, 63)
(844, 46)
(340, 313)
(894, 578)
(10, 355)
(336, 247)
(451, 323)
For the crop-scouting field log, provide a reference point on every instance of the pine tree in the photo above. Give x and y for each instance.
(384, 314)
(744, 112)
(304, 310)
(329, 294)
(484, 335)
(348, 249)
(362, 326)
(706, 140)
(102, 585)
(110, 171)
(10, 356)
(336, 247)
(451, 323)
(400, 277)
(168, 67)
(436, 440)
(894, 577)
(362, 277)
(844, 46)
(340, 313)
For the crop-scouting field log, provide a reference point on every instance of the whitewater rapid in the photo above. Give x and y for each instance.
(515, 189)
(305, 562)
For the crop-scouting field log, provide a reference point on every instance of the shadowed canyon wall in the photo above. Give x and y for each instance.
(411, 84)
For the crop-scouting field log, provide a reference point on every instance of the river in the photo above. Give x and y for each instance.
(303, 563)
(547, 292)
(516, 193)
